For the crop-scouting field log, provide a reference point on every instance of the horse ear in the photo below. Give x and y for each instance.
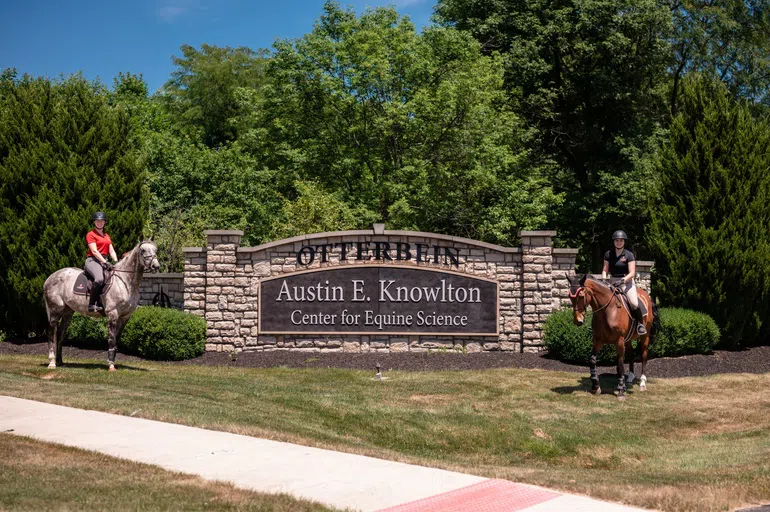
(583, 279)
(569, 279)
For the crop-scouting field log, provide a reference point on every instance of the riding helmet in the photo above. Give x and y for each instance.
(619, 234)
(99, 216)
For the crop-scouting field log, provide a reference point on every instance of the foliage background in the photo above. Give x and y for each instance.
(582, 116)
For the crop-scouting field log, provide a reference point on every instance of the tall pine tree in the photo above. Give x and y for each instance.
(710, 223)
(65, 152)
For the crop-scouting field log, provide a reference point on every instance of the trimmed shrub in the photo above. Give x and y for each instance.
(86, 332)
(568, 342)
(684, 332)
(163, 334)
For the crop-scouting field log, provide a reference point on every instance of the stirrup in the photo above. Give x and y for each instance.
(95, 308)
(641, 330)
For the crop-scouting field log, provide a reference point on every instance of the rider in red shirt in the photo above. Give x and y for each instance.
(99, 246)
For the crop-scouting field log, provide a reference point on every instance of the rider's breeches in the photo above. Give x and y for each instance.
(94, 269)
(633, 298)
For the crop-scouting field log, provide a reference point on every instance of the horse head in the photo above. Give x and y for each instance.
(580, 296)
(148, 256)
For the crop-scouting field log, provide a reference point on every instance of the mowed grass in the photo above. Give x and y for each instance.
(686, 444)
(44, 476)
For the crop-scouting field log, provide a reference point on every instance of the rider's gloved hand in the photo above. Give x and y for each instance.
(107, 265)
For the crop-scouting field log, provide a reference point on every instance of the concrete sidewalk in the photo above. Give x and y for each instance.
(334, 478)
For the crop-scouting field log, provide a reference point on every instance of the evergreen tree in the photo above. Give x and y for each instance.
(64, 153)
(710, 224)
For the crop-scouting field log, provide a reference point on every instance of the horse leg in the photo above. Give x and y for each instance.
(631, 356)
(643, 344)
(53, 324)
(112, 340)
(122, 321)
(63, 326)
(620, 347)
(595, 388)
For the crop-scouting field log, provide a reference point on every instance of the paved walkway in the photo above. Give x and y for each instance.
(334, 478)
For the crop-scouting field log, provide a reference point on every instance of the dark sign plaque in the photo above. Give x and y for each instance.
(385, 299)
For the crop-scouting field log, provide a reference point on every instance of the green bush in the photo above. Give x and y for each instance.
(86, 332)
(684, 332)
(568, 342)
(163, 334)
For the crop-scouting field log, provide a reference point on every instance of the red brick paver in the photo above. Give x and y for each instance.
(487, 496)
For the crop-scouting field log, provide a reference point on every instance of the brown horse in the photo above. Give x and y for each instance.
(612, 324)
(119, 301)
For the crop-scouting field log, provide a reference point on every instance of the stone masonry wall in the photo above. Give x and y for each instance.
(170, 284)
(222, 280)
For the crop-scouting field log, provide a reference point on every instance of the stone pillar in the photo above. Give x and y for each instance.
(195, 280)
(643, 278)
(563, 265)
(221, 246)
(537, 286)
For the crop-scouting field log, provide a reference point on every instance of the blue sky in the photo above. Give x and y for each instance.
(101, 38)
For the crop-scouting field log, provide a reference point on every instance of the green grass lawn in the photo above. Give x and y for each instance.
(687, 444)
(43, 476)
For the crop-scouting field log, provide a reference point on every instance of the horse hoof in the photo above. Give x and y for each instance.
(51, 366)
(642, 387)
(112, 368)
(621, 398)
(596, 391)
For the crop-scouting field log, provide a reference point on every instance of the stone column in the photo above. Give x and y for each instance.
(195, 280)
(221, 246)
(643, 278)
(563, 265)
(537, 286)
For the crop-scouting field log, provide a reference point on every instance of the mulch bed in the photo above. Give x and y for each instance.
(751, 360)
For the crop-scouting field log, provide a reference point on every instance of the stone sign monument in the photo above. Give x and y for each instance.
(374, 290)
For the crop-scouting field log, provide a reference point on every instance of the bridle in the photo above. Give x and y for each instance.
(146, 261)
(581, 292)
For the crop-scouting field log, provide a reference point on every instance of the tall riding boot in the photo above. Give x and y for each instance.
(640, 329)
(93, 302)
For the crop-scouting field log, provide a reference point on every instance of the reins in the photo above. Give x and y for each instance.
(582, 290)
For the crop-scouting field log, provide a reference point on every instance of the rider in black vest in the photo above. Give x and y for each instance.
(621, 264)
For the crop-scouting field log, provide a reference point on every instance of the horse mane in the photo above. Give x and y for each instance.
(589, 277)
(128, 256)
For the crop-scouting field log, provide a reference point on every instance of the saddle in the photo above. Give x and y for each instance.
(622, 301)
(84, 282)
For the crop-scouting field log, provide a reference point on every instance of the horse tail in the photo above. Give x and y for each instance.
(656, 325)
(45, 301)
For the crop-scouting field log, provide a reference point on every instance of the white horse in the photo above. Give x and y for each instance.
(119, 301)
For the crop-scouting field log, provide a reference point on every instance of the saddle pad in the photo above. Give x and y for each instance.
(82, 284)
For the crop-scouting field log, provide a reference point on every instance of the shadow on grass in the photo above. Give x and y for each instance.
(98, 366)
(607, 381)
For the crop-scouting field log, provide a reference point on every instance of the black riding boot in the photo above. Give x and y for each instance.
(93, 302)
(640, 329)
